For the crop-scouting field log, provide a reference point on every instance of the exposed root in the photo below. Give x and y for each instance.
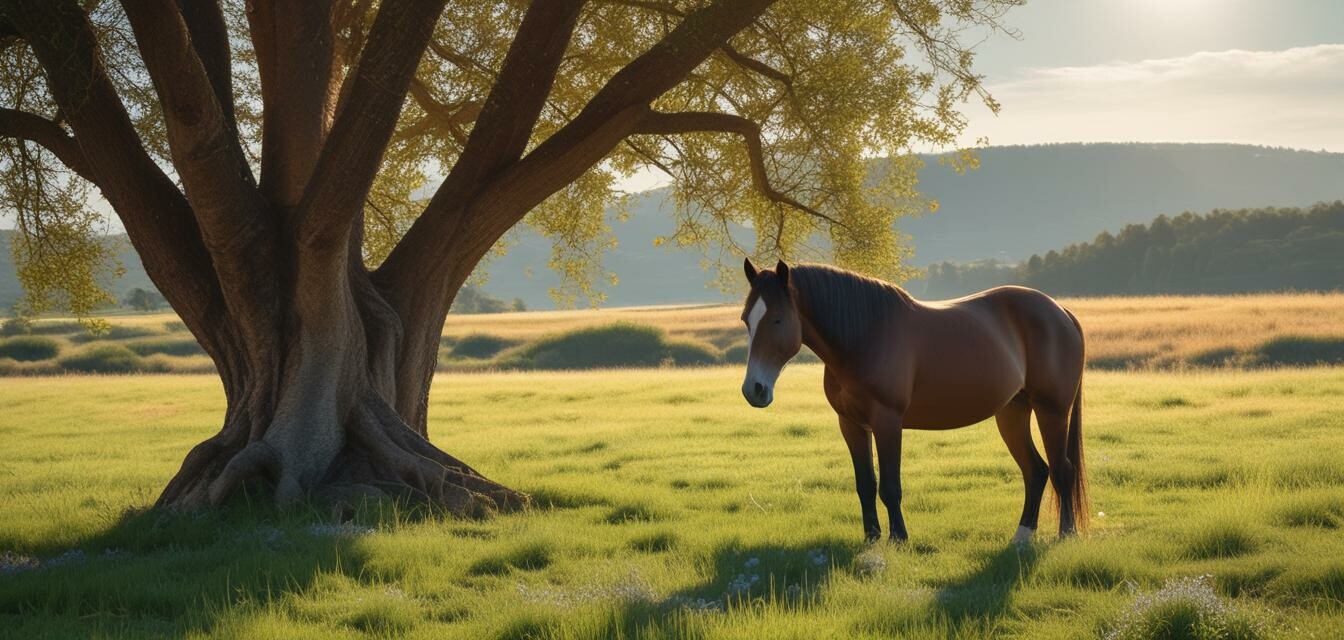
(382, 456)
(417, 467)
(255, 459)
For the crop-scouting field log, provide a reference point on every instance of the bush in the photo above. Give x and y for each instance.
(1302, 350)
(1186, 608)
(103, 357)
(113, 332)
(166, 345)
(688, 353)
(56, 328)
(616, 345)
(18, 325)
(736, 354)
(29, 348)
(480, 345)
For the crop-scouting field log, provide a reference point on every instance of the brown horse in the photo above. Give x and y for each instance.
(894, 363)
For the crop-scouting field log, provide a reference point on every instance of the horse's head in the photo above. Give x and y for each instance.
(774, 332)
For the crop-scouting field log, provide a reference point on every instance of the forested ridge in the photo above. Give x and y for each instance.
(1223, 251)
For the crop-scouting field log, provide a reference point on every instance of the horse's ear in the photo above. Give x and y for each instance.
(782, 271)
(749, 268)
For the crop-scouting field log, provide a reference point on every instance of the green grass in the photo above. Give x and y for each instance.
(666, 507)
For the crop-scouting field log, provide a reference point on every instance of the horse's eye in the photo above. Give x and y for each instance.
(776, 322)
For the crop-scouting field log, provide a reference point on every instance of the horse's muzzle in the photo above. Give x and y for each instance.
(757, 394)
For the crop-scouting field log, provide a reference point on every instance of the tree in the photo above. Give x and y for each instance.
(142, 300)
(264, 159)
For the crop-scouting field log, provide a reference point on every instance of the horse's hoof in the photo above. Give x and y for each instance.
(872, 538)
(899, 539)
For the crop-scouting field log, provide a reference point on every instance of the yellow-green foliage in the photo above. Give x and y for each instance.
(666, 507)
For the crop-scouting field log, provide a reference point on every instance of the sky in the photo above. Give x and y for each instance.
(1267, 72)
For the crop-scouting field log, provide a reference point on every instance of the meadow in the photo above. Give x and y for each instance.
(1135, 333)
(665, 507)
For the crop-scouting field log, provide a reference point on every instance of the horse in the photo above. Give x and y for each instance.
(895, 363)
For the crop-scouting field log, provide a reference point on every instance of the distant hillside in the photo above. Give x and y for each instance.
(1022, 201)
(1245, 251)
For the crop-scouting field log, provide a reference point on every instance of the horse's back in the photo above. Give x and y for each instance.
(993, 344)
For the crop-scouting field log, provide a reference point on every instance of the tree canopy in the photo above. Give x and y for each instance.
(771, 131)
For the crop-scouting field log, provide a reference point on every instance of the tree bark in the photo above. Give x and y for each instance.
(326, 367)
(328, 430)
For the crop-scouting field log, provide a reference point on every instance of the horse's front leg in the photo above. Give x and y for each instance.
(865, 482)
(887, 435)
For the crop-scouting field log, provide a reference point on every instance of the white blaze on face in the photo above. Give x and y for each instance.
(754, 319)
(756, 371)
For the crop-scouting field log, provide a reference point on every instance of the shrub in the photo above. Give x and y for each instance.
(1186, 608)
(688, 353)
(1302, 350)
(114, 332)
(18, 325)
(166, 345)
(103, 357)
(736, 354)
(29, 348)
(56, 328)
(480, 345)
(616, 345)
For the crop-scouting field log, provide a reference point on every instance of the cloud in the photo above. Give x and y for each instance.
(1289, 98)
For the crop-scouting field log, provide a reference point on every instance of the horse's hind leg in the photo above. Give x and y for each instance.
(1015, 426)
(1053, 420)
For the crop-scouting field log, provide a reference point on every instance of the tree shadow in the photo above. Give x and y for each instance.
(789, 577)
(156, 572)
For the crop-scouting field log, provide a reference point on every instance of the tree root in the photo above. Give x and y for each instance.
(382, 456)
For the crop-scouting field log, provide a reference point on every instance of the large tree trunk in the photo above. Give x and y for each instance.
(327, 367)
(320, 421)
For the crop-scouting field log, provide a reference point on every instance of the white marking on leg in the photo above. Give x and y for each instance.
(1023, 535)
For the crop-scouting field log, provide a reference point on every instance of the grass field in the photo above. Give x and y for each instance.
(1144, 333)
(665, 507)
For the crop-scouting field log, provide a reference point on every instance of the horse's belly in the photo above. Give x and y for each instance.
(952, 404)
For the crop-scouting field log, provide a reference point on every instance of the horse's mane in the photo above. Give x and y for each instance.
(844, 306)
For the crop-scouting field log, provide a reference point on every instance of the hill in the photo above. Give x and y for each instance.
(1244, 251)
(1021, 201)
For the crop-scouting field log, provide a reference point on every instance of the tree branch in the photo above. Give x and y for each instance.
(505, 123)
(48, 134)
(741, 59)
(353, 150)
(604, 122)
(210, 40)
(205, 148)
(295, 52)
(448, 117)
(156, 216)
(660, 123)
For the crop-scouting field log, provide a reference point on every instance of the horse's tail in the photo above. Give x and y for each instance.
(1074, 452)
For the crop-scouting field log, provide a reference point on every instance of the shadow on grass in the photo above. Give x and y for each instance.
(736, 578)
(981, 597)
(155, 573)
